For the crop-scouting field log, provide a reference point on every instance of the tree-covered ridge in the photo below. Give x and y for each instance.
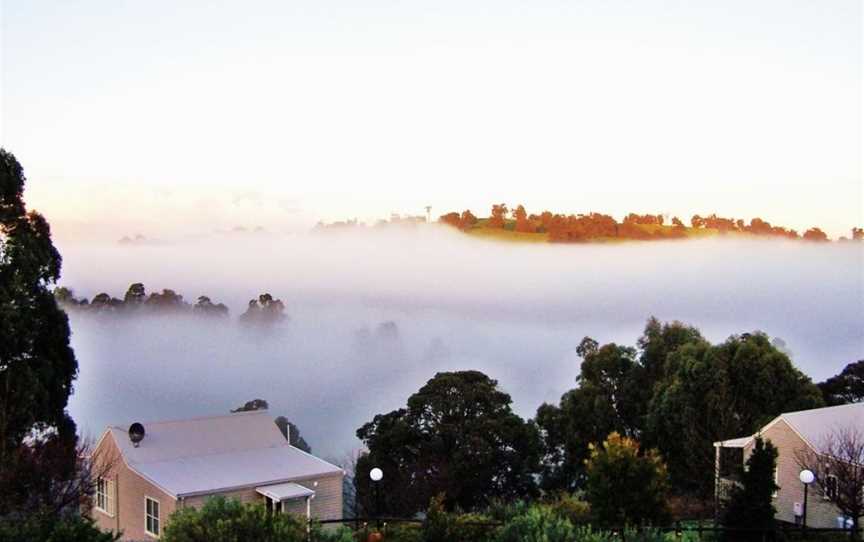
(517, 224)
(261, 311)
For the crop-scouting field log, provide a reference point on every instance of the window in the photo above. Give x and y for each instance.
(151, 516)
(830, 487)
(105, 496)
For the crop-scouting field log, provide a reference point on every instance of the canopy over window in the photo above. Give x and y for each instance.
(284, 492)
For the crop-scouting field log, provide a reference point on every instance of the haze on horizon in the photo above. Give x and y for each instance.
(514, 311)
(172, 119)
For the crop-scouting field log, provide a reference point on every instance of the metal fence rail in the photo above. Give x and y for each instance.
(783, 532)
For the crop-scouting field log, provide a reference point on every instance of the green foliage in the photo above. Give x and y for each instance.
(717, 392)
(576, 510)
(342, 534)
(608, 398)
(624, 486)
(537, 524)
(459, 437)
(846, 387)
(444, 526)
(750, 504)
(288, 429)
(37, 365)
(228, 520)
(54, 529)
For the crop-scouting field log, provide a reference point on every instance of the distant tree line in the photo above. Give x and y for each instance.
(575, 228)
(264, 310)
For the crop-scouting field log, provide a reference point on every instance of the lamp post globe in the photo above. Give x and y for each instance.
(806, 476)
(376, 474)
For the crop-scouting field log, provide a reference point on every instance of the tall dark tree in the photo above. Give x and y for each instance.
(458, 436)
(751, 504)
(605, 400)
(292, 433)
(717, 392)
(288, 429)
(37, 365)
(846, 387)
(657, 342)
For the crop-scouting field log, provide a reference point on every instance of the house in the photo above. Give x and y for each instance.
(146, 473)
(791, 433)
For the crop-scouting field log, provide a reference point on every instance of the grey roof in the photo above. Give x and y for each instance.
(814, 425)
(206, 455)
(817, 424)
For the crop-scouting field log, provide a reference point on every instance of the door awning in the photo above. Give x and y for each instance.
(284, 492)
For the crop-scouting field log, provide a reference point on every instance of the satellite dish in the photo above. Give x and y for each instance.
(136, 433)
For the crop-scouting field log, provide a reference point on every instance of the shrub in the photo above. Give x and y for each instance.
(443, 526)
(228, 520)
(624, 486)
(566, 505)
(538, 523)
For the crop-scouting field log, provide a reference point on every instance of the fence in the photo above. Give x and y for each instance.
(689, 531)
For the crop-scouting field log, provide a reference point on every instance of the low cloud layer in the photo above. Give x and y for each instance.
(373, 315)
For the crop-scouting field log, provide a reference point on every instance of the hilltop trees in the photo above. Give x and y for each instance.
(581, 228)
(457, 436)
(815, 234)
(264, 311)
(136, 301)
(499, 213)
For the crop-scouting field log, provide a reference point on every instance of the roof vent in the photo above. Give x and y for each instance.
(136, 433)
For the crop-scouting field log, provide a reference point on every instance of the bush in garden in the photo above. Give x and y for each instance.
(229, 520)
(538, 523)
(569, 506)
(443, 526)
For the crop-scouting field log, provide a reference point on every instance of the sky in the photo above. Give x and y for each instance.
(167, 118)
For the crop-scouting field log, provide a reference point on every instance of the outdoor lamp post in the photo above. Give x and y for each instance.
(376, 475)
(806, 478)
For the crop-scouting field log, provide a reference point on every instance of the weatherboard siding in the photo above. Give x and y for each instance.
(820, 512)
(129, 493)
(327, 503)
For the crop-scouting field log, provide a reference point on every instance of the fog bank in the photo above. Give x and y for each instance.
(511, 310)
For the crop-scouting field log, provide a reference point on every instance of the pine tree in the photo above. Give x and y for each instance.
(750, 504)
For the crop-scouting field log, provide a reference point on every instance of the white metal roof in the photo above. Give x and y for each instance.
(282, 492)
(206, 455)
(814, 425)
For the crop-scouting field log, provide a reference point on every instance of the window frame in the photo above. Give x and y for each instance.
(105, 493)
(148, 517)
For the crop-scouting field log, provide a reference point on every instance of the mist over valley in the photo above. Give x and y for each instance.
(372, 315)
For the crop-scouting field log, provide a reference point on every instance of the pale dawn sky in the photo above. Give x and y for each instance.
(166, 117)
